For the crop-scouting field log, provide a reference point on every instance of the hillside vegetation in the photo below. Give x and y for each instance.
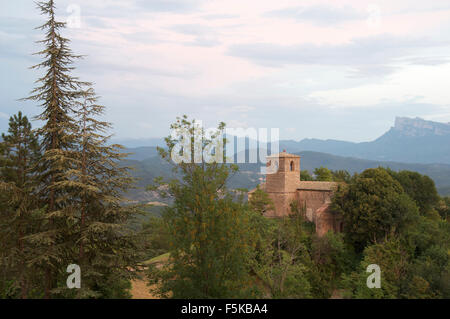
(220, 246)
(249, 174)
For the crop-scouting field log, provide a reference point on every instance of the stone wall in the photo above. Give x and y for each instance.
(282, 203)
(284, 187)
(326, 220)
(312, 200)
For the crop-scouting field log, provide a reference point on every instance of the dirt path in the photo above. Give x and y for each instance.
(140, 290)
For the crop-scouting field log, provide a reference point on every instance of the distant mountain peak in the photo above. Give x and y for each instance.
(415, 127)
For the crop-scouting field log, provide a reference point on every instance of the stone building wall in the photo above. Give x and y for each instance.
(283, 186)
(326, 220)
(282, 203)
(312, 200)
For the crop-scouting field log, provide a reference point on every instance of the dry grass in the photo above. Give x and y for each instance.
(158, 260)
(140, 290)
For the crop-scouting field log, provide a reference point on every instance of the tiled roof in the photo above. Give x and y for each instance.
(319, 186)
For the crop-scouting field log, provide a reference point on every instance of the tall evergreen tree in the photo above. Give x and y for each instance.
(19, 204)
(81, 181)
(105, 249)
(57, 93)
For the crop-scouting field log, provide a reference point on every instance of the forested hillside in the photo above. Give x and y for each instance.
(249, 174)
(221, 246)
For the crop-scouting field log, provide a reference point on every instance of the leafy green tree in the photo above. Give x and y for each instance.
(155, 238)
(305, 176)
(429, 240)
(374, 207)
(281, 266)
(414, 261)
(260, 201)
(210, 233)
(330, 258)
(419, 187)
(393, 260)
(419, 288)
(443, 207)
(341, 176)
(323, 174)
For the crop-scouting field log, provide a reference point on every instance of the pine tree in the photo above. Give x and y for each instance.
(57, 93)
(20, 216)
(105, 248)
(81, 179)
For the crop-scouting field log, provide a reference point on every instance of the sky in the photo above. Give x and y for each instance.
(314, 69)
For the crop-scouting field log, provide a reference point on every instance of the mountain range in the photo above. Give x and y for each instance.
(410, 140)
(412, 144)
(249, 174)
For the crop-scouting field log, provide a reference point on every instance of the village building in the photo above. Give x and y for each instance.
(284, 186)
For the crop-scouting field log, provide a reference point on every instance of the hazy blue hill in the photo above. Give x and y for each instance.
(138, 142)
(440, 173)
(444, 191)
(396, 146)
(141, 153)
(249, 174)
(409, 141)
(326, 146)
(412, 144)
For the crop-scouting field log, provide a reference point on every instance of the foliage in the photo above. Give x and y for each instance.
(62, 202)
(393, 262)
(210, 234)
(20, 216)
(280, 261)
(305, 176)
(413, 253)
(155, 241)
(323, 174)
(443, 208)
(330, 257)
(61, 188)
(260, 201)
(341, 176)
(374, 208)
(419, 187)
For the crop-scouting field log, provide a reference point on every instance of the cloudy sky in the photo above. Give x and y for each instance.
(316, 69)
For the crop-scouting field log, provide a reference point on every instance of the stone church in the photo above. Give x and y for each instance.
(283, 185)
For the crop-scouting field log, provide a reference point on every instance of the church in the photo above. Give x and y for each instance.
(284, 186)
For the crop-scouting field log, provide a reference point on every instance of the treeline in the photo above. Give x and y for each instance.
(61, 188)
(397, 221)
(323, 174)
(222, 246)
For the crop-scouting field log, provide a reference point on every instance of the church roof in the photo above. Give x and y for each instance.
(317, 186)
(283, 154)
